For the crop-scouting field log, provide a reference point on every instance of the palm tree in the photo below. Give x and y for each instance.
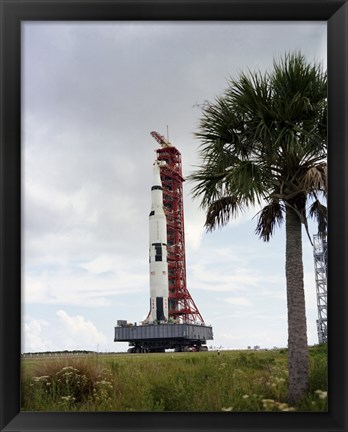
(264, 142)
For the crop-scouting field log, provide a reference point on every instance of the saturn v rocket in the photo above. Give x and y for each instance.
(182, 327)
(158, 251)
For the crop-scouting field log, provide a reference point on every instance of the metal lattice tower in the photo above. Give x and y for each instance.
(182, 308)
(320, 266)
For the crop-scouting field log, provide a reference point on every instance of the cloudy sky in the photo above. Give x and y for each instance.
(92, 92)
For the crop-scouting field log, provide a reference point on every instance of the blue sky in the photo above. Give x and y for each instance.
(92, 93)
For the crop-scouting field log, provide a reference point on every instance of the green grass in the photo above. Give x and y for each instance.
(204, 381)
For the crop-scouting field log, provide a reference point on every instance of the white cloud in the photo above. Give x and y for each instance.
(82, 289)
(79, 332)
(33, 340)
(194, 232)
(238, 301)
(103, 263)
(210, 279)
(231, 269)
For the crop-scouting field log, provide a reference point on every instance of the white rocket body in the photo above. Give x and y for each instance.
(158, 251)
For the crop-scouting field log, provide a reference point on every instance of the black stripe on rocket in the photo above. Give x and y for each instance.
(160, 309)
(159, 251)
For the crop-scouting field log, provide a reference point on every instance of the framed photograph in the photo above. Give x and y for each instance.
(106, 109)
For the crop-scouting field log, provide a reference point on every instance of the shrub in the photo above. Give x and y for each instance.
(61, 385)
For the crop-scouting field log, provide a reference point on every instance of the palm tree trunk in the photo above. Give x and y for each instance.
(297, 326)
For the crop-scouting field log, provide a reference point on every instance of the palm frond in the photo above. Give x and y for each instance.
(315, 179)
(248, 181)
(270, 216)
(319, 212)
(209, 184)
(221, 211)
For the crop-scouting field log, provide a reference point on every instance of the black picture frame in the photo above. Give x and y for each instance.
(12, 13)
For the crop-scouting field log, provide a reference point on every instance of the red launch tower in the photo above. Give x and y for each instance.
(182, 308)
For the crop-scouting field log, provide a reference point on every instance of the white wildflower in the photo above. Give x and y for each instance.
(227, 409)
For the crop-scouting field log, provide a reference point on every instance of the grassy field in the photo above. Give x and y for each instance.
(199, 381)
